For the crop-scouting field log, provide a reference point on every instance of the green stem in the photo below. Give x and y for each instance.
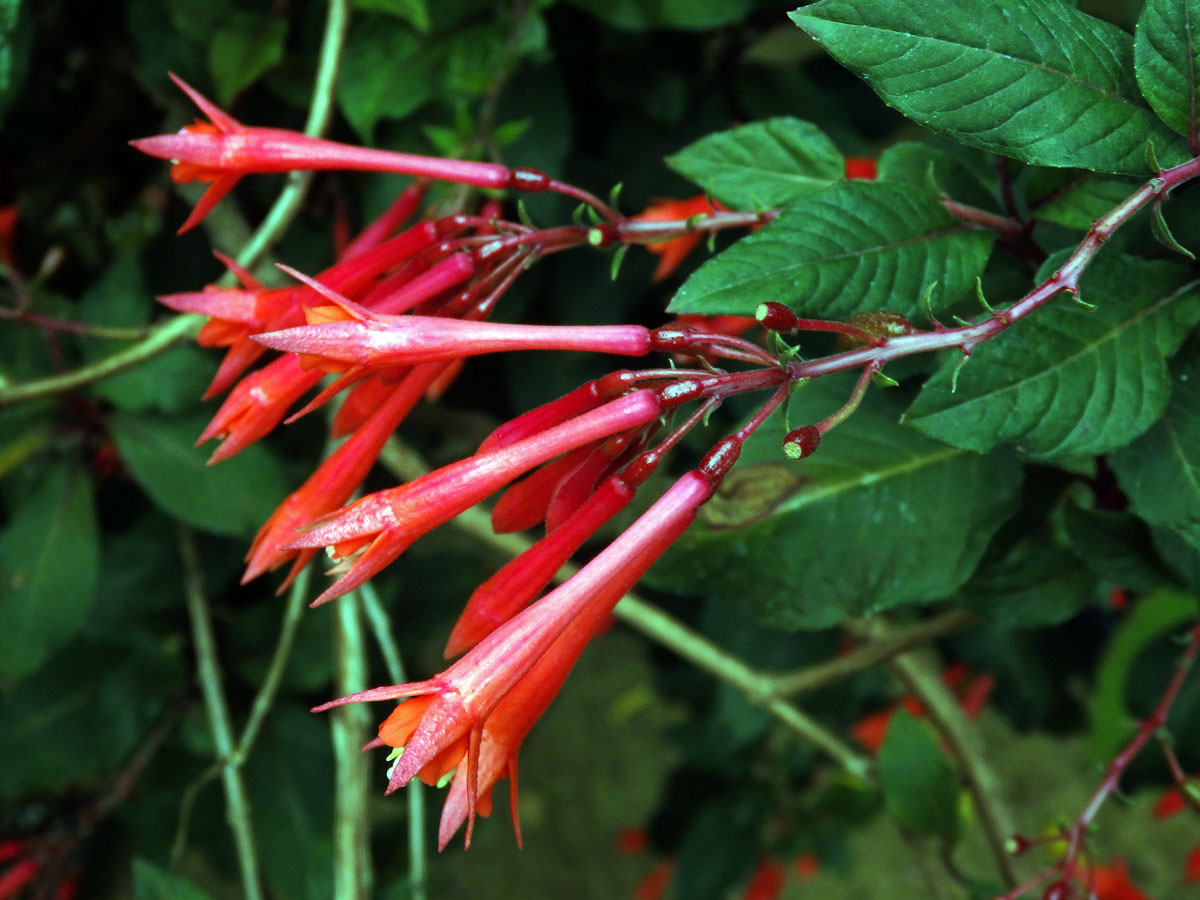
(293, 613)
(656, 625)
(898, 640)
(162, 338)
(924, 682)
(418, 852)
(237, 805)
(320, 111)
(350, 727)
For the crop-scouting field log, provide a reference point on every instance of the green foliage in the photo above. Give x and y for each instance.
(1085, 382)
(233, 498)
(850, 248)
(1059, 83)
(878, 518)
(1161, 470)
(917, 780)
(763, 165)
(1000, 493)
(49, 554)
(1166, 55)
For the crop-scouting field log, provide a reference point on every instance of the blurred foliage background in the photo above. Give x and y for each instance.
(105, 751)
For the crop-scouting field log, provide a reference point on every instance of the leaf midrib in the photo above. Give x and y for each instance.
(804, 498)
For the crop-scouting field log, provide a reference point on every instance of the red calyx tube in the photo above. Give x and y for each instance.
(776, 317)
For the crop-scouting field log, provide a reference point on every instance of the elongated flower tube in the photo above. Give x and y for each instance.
(222, 150)
(446, 725)
(256, 405)
(521, 579)
(335, 479)
(380, 341)
(385, 524)
(524, 504)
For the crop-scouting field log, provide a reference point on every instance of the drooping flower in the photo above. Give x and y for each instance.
(332, 483)
(219, 152)
(479, 710)
(1112, 882)
(372, 532)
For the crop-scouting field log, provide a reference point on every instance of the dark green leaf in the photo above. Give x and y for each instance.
(1036, 80)
(49, 555)
(719, 847)
(878, 517)
(763, 165)
(1070, 381)
(1035, 584)
(853, 247)
(1162, 233)
(1166, 55)
(16, 41)
(414, 12)
(1116, 546)
(1161, 471)
(152, 883)
(918, 783)
(936, 171)
(1074, 198)
(382, 76)
(1154, 615)
(234, 497)
(245, 47)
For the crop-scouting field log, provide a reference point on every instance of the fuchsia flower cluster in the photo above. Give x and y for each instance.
(393, 320)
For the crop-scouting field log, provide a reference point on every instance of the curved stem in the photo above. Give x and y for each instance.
(163, 337)
(237, 804)
(414, 792)
(320, 111)
(350, 725)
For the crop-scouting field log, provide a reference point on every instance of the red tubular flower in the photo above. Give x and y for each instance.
(257, 404)
(335, 479)
(8, 231)
(524, 504)
(521, 579)
(580, 400)
(1191, 867)
(863, 167)
(372, 341)
(671, 253)
(1169, 804)
(384, 524)
(1112, 883)
(766, 883)
(459, 711)
(222, 150)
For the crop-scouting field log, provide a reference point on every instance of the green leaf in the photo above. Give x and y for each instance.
(49, 556)
(1070, 381)
(1117, 546)
(924, 166)
(153, 883)
(853, 247)
(245, 47)
(414, 12)
(1036, 80)
(719, 846)
(1113, 722)
(1035, 584)
(1073, 198)
(878, 517)
(383, 76)
(1166, 55)
(16, 42)
(763, 165)
(233, 498)
(919, 785)
(1160, 472)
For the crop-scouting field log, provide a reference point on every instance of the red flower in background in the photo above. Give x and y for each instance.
(1112, 883)
(671, 253)
(861, 167)
(972, 695)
